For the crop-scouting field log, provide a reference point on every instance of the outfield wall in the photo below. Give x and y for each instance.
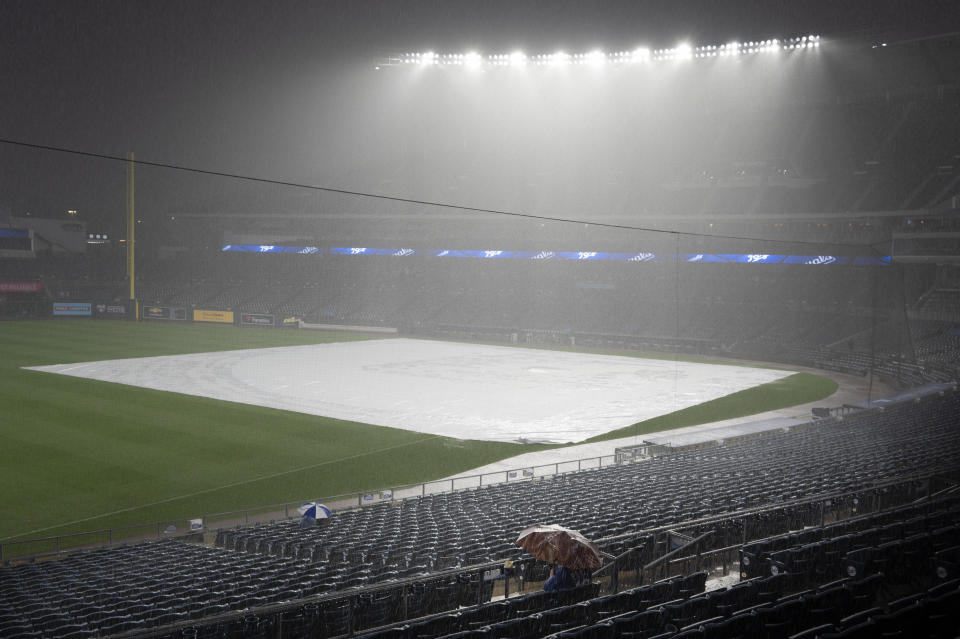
(97, 310)
(171, 313)
(344, 327)
(159, 312)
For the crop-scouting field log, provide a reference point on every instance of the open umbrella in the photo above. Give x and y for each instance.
(558, 545)
(313, 509)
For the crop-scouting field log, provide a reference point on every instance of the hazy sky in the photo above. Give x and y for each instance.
(277, 88)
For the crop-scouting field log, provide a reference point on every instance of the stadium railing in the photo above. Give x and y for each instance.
(636, 562)
(209, 523)
(198, 525)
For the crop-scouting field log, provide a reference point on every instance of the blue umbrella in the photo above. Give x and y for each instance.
(313, 509)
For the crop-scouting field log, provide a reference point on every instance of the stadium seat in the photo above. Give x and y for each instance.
(563, 618)
(433, 627)
(635, 625)
(942, 614)
(815, 632)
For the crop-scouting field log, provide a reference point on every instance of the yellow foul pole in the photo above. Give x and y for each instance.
(131, 226)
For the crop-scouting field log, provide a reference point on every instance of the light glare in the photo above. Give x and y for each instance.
(597, 57)
(518, 59)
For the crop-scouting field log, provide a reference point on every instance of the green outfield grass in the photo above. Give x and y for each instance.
(799, 388)
(80, 455)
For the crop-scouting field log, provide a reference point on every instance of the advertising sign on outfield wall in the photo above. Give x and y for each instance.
(256, 319)
(222, 317)
(164, 313)
(21, 287)
(155, 312)
(110, 310)
(72, 308)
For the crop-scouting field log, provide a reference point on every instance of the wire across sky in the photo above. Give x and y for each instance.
(405, 200)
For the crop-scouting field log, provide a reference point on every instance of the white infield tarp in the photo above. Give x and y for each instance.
(468, 391)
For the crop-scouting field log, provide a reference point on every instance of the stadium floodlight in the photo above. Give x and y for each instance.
(518, 59)
(560, 59)
(684, 51)
(595, 58)
(473, 60)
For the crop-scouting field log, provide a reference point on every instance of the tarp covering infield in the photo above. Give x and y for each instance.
(467, 391)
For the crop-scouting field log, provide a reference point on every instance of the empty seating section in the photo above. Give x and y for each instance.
(116, 590)
(940, 347)
(134, 586)
(445, 530)
(305, 302)
(941, 302)
(231, 295)
(798, 317)
(903, 542)
(194, 294)
(156, 293)
(938, 369)
(773, 607)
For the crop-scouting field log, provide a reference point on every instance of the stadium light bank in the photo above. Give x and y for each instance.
(474, 61)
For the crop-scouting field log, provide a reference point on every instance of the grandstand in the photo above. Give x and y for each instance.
(826, 239)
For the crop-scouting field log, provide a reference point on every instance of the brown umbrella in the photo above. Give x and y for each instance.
(558, 545)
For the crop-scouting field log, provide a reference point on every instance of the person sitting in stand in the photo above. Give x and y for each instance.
(560, 579)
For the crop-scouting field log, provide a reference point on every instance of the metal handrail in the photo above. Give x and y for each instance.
(746, 512)
(275, 509)
(706, 520)
(359, 496)
(322, 598)
(660, 560)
